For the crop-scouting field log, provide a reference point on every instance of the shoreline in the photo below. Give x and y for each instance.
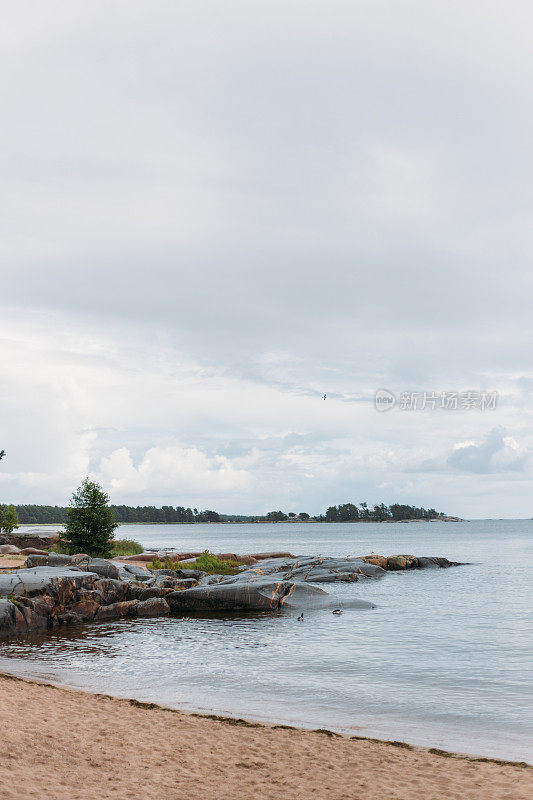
(83, 744)
(273, 725)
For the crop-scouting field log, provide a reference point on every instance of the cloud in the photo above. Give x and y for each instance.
(494, 454)
(213, 215)
(171, 472)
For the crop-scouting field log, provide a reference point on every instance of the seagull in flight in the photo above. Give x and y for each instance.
(325, 396)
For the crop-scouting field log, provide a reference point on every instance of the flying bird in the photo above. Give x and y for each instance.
(324, 397)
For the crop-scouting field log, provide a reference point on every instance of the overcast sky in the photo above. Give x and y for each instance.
(212, 213)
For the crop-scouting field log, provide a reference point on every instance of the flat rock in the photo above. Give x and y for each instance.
(258, 595)
(26, 581)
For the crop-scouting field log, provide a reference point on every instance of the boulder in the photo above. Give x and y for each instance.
(9, 550)
(11, 619)
(33, 551)
(49, 560)
(42, 580)
(127, 608)
(377, 561)
(154, 607)
(106, 569)
(139, 573)
(111, 590)
(258, 595)
(435, 562)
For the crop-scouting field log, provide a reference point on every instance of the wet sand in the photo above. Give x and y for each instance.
(69, 745)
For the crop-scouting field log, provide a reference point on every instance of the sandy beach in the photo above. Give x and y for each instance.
(69, 745)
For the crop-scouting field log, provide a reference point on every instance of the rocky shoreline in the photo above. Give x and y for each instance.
(52, 589)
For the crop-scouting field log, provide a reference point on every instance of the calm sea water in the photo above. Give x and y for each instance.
(445, 659)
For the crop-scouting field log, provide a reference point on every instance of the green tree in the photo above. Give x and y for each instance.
(8, 519)
(90, 522)
(303, 515)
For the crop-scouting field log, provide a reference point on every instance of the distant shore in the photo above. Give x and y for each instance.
(70, 745)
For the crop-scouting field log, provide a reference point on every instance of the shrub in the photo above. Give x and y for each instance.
(207, 562)
(126, 547)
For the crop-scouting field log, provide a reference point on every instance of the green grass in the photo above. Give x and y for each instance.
(207, 562)
(126, 547)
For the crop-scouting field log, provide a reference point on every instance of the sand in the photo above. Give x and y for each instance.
(60, 744)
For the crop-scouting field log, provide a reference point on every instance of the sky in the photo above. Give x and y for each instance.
(212, 214)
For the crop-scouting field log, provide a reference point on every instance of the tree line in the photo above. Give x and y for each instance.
(344, 512)
(39, 515)
(350, 512)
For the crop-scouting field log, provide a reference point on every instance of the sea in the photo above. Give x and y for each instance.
(445, 659)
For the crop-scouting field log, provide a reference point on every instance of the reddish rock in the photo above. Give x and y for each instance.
(154, 607)
(378, 561)
(32, 551)
(116, 610)
(9, 550)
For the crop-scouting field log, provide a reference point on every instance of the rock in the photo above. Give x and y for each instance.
(11, 620)
(49, 560)
(106, 569)
(111, 590)
(259, 595)
(274, 554)
(147, 592)
(154, 607)
(169, 573)
(435, 562)
(39, 538)
(138, 572)
(87, 604)
(142, 557)
(42, 580)
(32, 551)
(377, 561)
(9, 550)
(401, 562)
(127, 608)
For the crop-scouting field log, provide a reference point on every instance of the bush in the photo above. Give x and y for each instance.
(126, 547)
(207, 562)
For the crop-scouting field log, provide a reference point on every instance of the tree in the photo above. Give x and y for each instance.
(90, 522)
(276, 516)
(8, 519)
(303, 515)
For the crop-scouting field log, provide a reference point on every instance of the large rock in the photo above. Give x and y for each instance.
(43, 579)
(9, 550)
(126, 608)
(49, 560)
(36, 537)
(258, 595)
(154, 607)
(106, 569)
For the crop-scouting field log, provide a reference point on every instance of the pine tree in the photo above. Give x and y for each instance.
(90, 522)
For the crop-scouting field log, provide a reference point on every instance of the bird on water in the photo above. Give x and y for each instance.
(337, 611)
(301, 617)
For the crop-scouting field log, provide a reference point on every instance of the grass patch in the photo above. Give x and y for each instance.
(207, 562)
(126, 547)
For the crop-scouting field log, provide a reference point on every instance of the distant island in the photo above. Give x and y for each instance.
(344, 512)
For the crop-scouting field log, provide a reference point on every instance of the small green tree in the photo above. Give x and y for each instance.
(90, 522)
(8, 519)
